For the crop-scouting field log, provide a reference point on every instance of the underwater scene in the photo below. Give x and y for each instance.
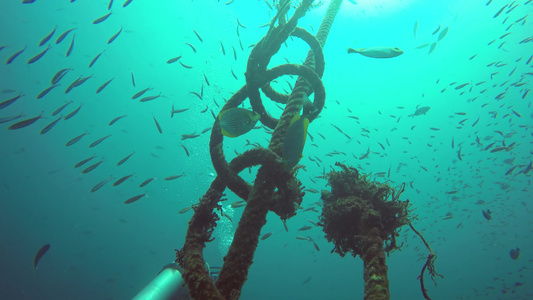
(268, 149)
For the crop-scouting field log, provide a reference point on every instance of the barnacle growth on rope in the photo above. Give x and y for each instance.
(362, 218)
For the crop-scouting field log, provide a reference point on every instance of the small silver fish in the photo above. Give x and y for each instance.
(98, 141)
(158, 126)
(138, 94)
(48, 37)
(102, 18)
(443, 33)
(135, 198)
(15, 55)
(38, 56)
(95, 59)
(50, 126)
(59, 75)
(92, 167)
(125, 159)
(266, 236)
(64, 35)
(121, 180)
(111, 39)
(115, 120)
(100, 184)
(147, 181)
(71, 47)
(104, 85)
(81, 163)
(25, 123)
(39, 255)
(47, 90)
(76, 139)
(10, 101)
(73, 113)
(149, 98)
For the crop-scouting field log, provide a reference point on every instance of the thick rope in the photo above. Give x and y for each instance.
(261, 197)
(240, 254)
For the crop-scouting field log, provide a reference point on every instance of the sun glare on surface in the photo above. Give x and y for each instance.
(380, 7)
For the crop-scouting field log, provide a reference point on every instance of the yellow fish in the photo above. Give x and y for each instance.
(237, 121)
(294, 143)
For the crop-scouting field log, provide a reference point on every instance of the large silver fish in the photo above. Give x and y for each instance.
(378, 52)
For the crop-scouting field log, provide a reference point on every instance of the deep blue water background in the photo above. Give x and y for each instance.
(103, 249)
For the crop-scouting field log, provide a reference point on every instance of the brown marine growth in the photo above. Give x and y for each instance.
(359, 218)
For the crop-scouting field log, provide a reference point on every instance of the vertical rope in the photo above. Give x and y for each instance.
(325, 26)
(375, 268)
(302, 88)
(240, 255)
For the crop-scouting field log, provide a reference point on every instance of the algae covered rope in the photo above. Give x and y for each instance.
(375, 267)
(202, 223)
(259, 59)
(190, 257)
(261, 197)
(314, 44)
(301, 87)
(204, 220)
(240, 255)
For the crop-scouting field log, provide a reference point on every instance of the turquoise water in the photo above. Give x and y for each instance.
(101, 248)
